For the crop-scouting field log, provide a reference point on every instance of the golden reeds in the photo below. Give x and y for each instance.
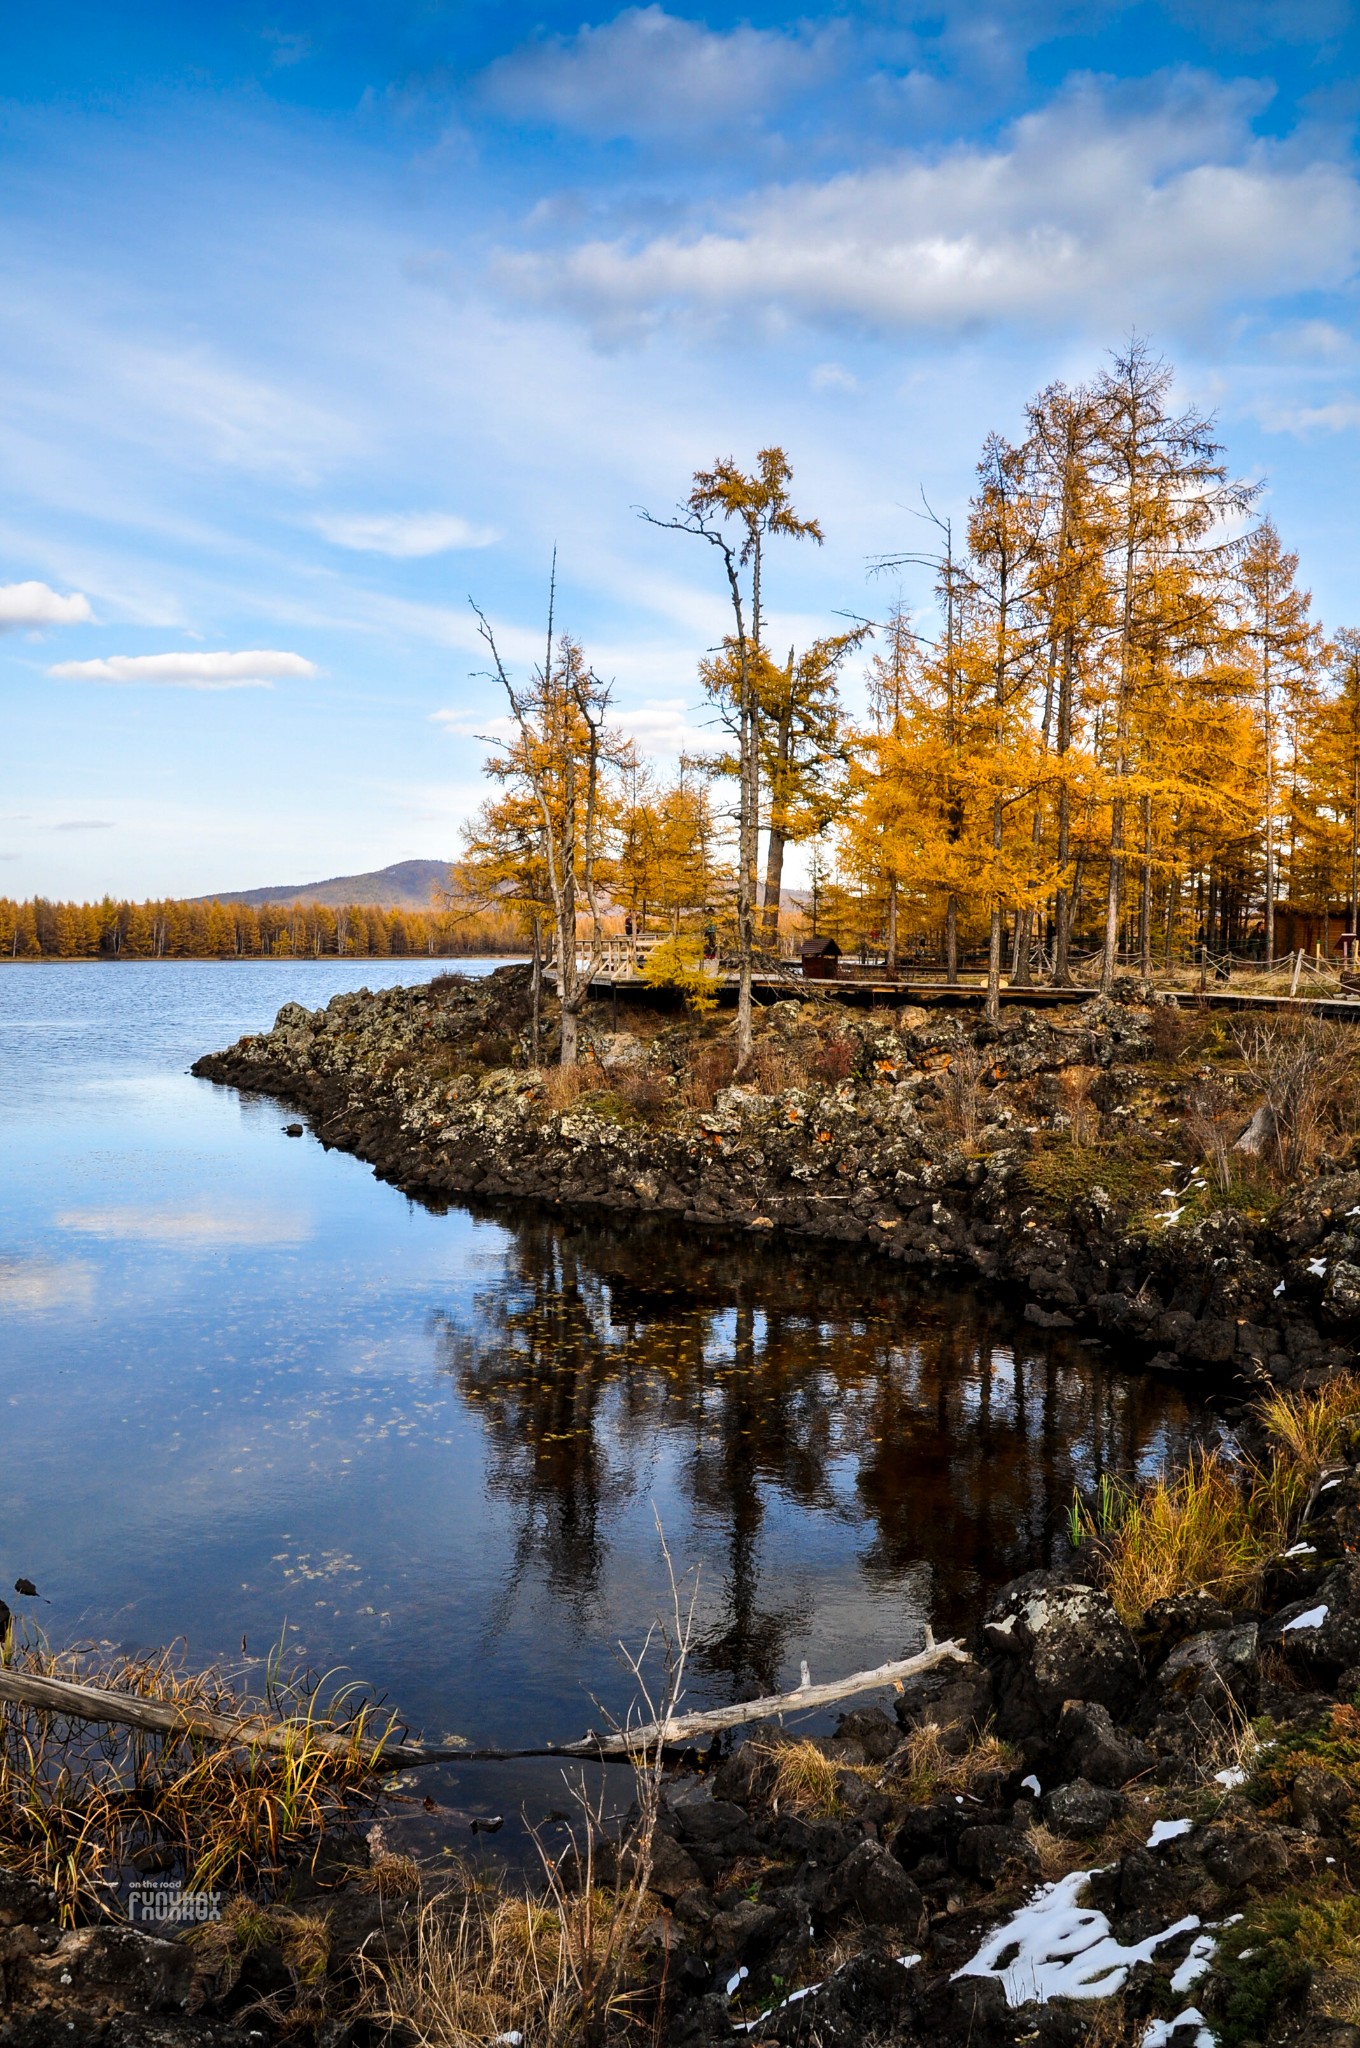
(79, 1804)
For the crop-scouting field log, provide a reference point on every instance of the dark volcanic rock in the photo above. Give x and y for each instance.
(1046, 1640)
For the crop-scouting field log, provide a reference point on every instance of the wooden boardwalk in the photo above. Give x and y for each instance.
(875, 993)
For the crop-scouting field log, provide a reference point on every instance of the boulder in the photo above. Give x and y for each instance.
(1218, 1668)
(1321, 1631)
(1079, 1809)
(876, 1732)
(1168, 1622)
(1098, 1751)
(873, 1884)
(1047, 1639)
(1320, 1802)
(988, 1852)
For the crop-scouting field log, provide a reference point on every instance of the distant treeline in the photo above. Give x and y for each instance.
(175, 929)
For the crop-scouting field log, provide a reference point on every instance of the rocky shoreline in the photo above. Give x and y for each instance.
(1082, 1834)
(1047, 1156)
(1098, 1826)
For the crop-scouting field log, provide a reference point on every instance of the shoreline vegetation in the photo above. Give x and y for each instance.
(185, 929)
(1123, 1815)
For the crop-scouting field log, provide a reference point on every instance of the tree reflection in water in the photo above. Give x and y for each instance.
(824, 1384)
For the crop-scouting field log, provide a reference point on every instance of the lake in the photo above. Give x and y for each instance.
(251, 1395)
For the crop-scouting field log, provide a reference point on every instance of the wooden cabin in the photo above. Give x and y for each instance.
(819, 957)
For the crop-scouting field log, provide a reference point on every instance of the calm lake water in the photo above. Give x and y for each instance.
(251, 1392)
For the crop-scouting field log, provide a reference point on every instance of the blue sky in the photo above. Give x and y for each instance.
(315, 320)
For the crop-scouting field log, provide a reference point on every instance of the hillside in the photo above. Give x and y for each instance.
(406, 885)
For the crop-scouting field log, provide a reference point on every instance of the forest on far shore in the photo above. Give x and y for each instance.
(179, 929)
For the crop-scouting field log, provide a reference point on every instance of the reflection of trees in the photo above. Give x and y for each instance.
(597, 1344)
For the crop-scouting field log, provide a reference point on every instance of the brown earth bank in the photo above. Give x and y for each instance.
(1090, 1159)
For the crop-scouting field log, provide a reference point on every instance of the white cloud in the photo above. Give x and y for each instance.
(37, 604)
(833, 377)
(1100, 207)
(648, 74)
(404, 534)
(466, 725)
(83, 825)
(257, 669)
(662, 727)
(1339, 416)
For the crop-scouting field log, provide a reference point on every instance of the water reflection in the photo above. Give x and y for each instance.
(781, 1387)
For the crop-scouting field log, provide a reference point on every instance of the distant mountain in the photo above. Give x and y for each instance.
(406, 885)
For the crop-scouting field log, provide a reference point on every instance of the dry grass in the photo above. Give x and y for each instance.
(961, 1093)
(223, 1949)
(1313, 1430)
(564, 1086)
(803, 1779)
(1210, 1528)
(1215, 1526)
(926, 1766)
(1309, 1074)
(79, 1803)
(486, 1965)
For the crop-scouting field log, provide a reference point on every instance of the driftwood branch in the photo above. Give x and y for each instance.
(159, 1717)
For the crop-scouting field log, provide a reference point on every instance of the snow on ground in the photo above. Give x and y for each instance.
(1052, 1947)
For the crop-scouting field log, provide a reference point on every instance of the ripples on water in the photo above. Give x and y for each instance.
(249, 1391)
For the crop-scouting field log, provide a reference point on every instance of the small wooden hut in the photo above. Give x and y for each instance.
(819, 957)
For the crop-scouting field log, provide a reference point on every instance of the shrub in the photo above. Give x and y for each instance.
(834, 1061)
(679, 963)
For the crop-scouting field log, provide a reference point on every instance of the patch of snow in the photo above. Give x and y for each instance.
(1279, 1290)
(909, 1962)
(1167, 1831)
(1317, 1267)
(1314, 1618)
(1202, 1952)
(1058, 1949)
(1328, 1484)
(1031, 1784)
(736, 1979)
(1301, 1550)
(1231, 1778)
(1159, 2032)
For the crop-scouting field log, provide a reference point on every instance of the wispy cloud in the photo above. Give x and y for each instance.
(466, 725)
(404, 534)
(83, 825)
(256, 669)
(37, 604)
(1100, 207)
(663, 726)
(648, 74)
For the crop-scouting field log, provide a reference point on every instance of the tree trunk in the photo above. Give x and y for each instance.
(994, 971)
(951, 941)
(1112, 901)
(1145, 898)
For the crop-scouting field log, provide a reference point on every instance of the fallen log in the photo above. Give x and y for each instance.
(160, 1717)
